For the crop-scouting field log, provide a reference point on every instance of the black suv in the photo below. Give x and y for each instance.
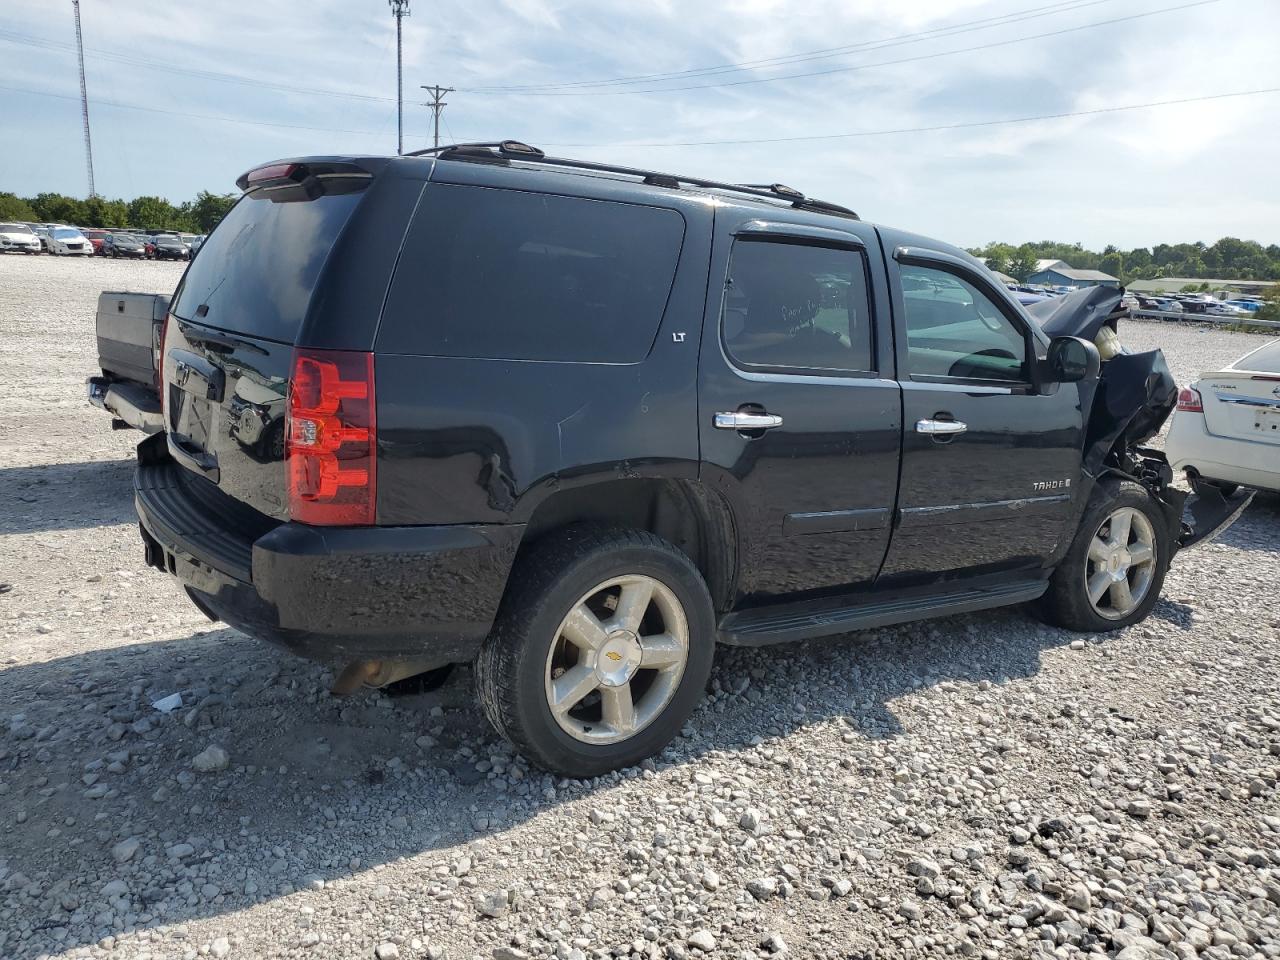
(578, 423)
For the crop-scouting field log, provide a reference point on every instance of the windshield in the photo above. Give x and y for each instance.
(66, 233)
(14, 228)
(125, 238)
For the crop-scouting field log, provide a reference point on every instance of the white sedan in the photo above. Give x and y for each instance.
(1226, 430)
(68, 241)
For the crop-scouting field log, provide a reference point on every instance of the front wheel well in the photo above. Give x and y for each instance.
(685, 513)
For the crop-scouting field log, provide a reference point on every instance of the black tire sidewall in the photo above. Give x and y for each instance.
(1114, 495)
(555, 748)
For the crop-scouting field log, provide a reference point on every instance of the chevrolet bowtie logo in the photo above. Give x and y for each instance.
(614, 655)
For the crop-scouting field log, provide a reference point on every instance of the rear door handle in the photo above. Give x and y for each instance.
(742, 420)
(941, 427)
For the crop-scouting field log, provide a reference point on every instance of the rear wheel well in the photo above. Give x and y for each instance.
(686, 514)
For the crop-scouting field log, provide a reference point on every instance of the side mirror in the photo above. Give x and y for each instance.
(1070, 360)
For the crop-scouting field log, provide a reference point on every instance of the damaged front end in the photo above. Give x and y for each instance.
(1128, 403)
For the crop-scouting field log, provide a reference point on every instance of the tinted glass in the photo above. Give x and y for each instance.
(14, 228)
(1266, 360)
(501, 274)
(955, 330)
(798, 306)
(63, 234)
(258, 269)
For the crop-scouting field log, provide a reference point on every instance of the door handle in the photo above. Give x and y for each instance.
(941, 427)
(743, 420)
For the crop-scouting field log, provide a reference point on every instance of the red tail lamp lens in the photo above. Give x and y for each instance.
(1189, 401)
(330, 451)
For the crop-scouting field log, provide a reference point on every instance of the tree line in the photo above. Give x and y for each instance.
(141, 213)
(1227, 259)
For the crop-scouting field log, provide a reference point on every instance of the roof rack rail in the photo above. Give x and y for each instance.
(504, 151)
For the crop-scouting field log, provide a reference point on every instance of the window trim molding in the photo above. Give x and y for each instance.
(791, 234)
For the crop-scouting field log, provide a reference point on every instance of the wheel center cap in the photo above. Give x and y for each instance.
(1118, 563)
(618, 658)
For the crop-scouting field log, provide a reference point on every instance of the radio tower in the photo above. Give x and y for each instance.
(84, 101)
(400, 10)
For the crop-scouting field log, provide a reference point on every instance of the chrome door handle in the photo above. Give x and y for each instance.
(941, 427)
(741, 420)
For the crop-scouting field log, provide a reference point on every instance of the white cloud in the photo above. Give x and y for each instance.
(1172, 173)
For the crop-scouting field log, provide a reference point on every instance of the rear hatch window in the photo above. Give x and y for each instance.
(258, 269)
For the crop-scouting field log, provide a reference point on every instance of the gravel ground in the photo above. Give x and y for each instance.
(979, 786)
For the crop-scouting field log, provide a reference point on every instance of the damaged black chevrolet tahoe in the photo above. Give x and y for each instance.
(576, 424)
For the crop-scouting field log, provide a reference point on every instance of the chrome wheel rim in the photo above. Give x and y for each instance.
(616, 659)
(1121, 564)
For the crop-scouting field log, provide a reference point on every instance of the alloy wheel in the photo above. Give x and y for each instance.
(1121, 564)
(616, 659)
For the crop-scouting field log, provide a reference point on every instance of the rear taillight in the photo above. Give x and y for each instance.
(331, 438)
(1189, 401)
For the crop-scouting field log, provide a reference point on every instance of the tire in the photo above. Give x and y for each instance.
(1068, 602)
(529, 649)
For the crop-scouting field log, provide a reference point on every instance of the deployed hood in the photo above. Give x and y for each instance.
(1081, 313)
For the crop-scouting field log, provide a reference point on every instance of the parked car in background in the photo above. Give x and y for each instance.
(95, 236)
(42, 231)
(1221, 308)
(1247, 305)
(18, 238)
(1167, 305)
(169, 246)
(195, 242)
(68, 241)
(1226, 429)
(123, 245)
(688, 413)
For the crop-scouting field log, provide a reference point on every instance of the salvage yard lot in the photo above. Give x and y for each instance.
(981, 785)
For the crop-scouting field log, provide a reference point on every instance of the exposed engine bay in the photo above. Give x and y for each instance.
(1132, 397)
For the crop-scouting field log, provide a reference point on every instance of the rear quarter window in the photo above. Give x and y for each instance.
(507, 275)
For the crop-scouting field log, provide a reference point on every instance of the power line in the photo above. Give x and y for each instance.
(937, 127)
(30, 40)
(704, 143)
(826, 53)
(191, 116)
(861, 66)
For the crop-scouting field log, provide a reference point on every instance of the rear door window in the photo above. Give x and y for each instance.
(258, 269)
(797, 307)
(503, 274)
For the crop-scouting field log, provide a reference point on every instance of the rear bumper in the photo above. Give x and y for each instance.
(131, 403)
(1190, 446)
(337, 594)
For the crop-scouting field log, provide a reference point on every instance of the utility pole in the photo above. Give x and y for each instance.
(84, 101)
(400, 10)
(437, 105)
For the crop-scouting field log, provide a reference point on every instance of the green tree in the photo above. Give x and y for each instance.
(13, 207)
(1023, 263)
(56, 208)
(152, 213)
(209, 208)
(1112, 263)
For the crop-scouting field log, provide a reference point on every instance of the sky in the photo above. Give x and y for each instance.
(186, 96)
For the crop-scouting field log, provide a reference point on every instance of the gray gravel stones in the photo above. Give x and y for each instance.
(702, 940)
(212, 758)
